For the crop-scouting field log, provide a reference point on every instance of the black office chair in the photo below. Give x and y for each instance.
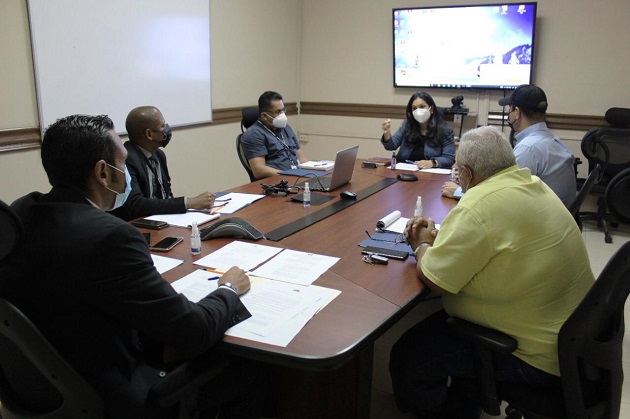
(617, 196)
(589, 350)
(593, 178)
(249, 117)
(609, 147)
(37, 383)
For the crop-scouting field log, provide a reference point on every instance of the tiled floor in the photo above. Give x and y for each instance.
(383, 405)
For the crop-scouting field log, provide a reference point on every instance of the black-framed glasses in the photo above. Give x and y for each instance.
(276, 112)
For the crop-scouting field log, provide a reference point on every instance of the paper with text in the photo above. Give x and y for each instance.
(244, 255)
(296, 267)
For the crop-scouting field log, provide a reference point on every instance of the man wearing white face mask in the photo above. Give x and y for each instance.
(86, 279)
(424, 137)
(270, 145)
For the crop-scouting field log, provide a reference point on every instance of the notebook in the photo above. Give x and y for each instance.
(341, 174)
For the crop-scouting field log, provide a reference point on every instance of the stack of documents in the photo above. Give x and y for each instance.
(281, 299)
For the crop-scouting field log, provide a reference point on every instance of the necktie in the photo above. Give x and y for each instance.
(158, 190)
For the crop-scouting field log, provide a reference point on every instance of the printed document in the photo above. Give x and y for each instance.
(296, 267)
(186, 219)
(242, 254)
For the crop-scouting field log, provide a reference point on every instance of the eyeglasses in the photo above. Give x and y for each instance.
(398, 239)
(277, 112)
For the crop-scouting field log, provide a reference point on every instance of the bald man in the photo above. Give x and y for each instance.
(151, 183)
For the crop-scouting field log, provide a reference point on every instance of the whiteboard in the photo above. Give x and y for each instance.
(100, 57)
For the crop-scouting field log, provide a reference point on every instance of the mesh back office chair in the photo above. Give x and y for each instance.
(609, 147)
(249, 117)
(593, 178)
(37, 383)
(590, 348)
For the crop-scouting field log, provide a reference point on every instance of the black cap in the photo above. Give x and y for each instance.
(527, 97)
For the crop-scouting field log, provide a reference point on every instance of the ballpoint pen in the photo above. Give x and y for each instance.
(216, 209)
(222, 200)
(410, 161)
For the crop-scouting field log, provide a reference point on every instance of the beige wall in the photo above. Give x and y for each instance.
(328, 51)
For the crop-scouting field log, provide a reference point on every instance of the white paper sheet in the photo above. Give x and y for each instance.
(244, 255)
(234, 201)
(279, 329)
(438, 171)
(195, 286)
(296, 267)
(163, 263)
(407, 166)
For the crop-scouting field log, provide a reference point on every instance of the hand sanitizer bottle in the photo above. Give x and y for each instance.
(306, 197)
(195, 239)
(418, 211)
(393, 163)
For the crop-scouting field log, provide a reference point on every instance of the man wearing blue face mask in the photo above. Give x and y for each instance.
(150, 180)
(270, 145)
(86, 279)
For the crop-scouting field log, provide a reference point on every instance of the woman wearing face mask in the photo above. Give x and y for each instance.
(424, 137)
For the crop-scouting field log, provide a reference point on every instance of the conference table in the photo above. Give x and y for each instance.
(326, 370)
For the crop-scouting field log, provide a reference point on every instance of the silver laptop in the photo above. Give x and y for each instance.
(341, 174)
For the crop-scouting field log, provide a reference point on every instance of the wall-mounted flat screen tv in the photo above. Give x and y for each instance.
(488, 46)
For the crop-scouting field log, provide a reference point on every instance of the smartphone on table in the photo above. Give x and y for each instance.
(152, 224)
(166, 244)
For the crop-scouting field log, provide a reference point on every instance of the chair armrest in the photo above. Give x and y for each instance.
(183, 382)
(483, 336)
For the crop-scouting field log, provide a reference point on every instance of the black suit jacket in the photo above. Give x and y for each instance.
(140, 204)
(87, 280)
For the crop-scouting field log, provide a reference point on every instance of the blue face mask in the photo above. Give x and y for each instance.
(121, 198)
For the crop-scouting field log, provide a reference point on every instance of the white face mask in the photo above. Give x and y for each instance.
(280, 121)
(421, 115)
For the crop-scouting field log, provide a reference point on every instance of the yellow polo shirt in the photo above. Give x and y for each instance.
(512, 258)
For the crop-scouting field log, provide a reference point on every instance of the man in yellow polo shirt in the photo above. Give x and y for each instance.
(510, 257)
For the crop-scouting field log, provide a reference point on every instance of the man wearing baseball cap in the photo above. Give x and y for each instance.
(537, 148)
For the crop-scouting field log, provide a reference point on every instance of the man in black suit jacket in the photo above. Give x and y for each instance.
(87, 281)
(151, 183)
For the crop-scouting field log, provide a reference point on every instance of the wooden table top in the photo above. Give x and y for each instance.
(372, 297)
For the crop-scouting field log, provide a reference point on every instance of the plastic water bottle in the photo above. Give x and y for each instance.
(393, 163)
(417, 212)
(195, 239)
(306, 197)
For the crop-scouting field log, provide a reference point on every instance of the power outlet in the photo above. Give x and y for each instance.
(457, 118)
(303, 138)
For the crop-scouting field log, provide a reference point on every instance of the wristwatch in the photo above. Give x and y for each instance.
(230, 286)
(435, 163)
(420, 246)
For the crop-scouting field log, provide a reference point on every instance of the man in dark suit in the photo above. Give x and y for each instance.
(87, 281)
(150, 180)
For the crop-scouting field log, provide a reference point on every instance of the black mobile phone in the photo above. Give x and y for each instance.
(151, 224)
(368, 165)
(166, 244)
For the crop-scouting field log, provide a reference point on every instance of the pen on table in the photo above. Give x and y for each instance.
(410, 161)
(216, 271)
(215, 209)
(222, 200)
(212, 278)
